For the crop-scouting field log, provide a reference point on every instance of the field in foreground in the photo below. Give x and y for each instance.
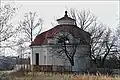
(55, 76)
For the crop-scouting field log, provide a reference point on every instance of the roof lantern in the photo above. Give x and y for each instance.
(66, 20)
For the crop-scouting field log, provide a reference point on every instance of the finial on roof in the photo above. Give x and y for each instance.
(66, 13)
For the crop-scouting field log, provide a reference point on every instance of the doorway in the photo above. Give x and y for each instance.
(37, 58)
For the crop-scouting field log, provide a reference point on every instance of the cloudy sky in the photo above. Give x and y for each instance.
(106, 11)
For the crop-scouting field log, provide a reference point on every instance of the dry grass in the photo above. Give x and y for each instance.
(58, 76)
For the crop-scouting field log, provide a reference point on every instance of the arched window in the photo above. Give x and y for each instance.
(37, 58)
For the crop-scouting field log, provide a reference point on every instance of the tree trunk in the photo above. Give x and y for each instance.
(71, 61)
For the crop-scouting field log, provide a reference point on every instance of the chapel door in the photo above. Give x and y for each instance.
(37, 58)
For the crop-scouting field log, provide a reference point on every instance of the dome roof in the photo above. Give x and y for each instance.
(76, 32)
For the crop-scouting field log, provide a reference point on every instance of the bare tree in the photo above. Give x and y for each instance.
(103, 48)
(31, 25)
(7, 30)
(96, 32)
(64, 46)
(101, 41)
(118, 34)
(84, 19)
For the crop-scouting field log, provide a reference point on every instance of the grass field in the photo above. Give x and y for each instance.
(55, 76)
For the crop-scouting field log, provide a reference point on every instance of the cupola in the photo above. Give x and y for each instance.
(66, 20)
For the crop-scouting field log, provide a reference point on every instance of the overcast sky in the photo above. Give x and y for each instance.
(106, 11)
